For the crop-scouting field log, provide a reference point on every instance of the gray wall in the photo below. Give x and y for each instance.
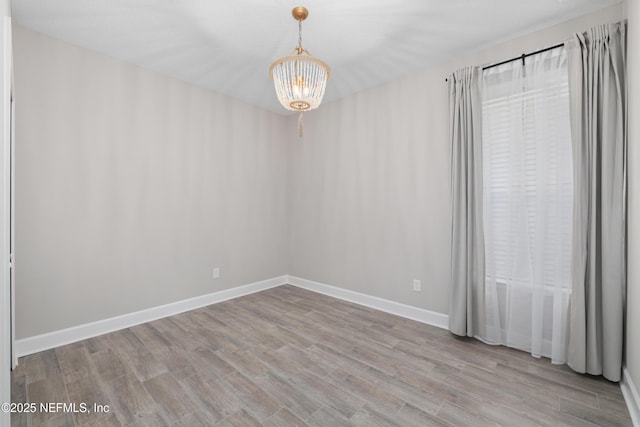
(131, 187)
(370, 181)
(632, 356)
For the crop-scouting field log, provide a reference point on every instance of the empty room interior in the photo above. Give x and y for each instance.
(288, 213)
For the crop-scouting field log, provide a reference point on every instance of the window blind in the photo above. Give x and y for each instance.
(528, 199)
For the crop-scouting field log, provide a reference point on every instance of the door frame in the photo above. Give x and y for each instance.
(5, 217)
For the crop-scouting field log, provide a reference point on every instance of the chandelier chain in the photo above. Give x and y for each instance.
(299, 36)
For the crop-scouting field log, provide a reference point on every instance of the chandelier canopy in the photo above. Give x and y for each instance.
(299, 78)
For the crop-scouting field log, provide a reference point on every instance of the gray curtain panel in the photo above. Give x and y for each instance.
(597, 80)
(466, 315)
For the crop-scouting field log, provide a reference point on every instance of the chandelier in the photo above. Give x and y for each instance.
(299, 78)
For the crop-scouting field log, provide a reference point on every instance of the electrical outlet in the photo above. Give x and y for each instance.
(216, 273)
(417, 285)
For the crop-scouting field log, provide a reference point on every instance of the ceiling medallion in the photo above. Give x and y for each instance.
(299, 78)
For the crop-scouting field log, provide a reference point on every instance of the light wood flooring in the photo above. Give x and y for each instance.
(287, 357)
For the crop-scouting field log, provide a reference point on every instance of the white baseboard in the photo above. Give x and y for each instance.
(77, 333)
(631, 396)
(414, 313)
(55, 339)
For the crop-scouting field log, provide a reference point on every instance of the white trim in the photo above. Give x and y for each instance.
(12, 208)
(5, 206)
(631, 396)
(54, 339)
(407, 311)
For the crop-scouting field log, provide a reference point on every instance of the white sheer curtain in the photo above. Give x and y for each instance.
(528, 200)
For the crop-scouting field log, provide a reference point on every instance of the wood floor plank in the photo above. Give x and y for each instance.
(74, 362)
(176, 360)
(494, 396)
(64, 420)
(18, 388)
(87, 390)
(325, 392)
(130, 400)
(45, 391)
(595, 416)
(215, 396)
(369, 417)
(108, 420)
(172, 399)
(410, 416)
(153, 339)
(564, 391)
(243, 361)
(284, 418)
(151, 420)
(289, 396)
(343, 361)
(125, 341)
(323, 335)
(143, 363)
(255, 400)
(175, 334)
(428, 402)
(293, 335)
(327, 417)
(240, 418)
(303, 359)
(204, 360)
(459, 416)
(99, 343)
(611, 405)
(109, 364)
(40, 366)
(375, 359)
(197, 419)
(279, 365)
(376, 396)
(563, 375)
(287, 356)
(19, 395)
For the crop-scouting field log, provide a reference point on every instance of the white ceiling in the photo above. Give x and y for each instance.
(229, 45)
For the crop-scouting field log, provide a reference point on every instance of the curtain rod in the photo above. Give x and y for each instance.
(524, 55)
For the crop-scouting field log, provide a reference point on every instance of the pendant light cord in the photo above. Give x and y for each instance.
(300, 123)
(300, 126)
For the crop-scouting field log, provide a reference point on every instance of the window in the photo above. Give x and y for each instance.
(528, 203)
